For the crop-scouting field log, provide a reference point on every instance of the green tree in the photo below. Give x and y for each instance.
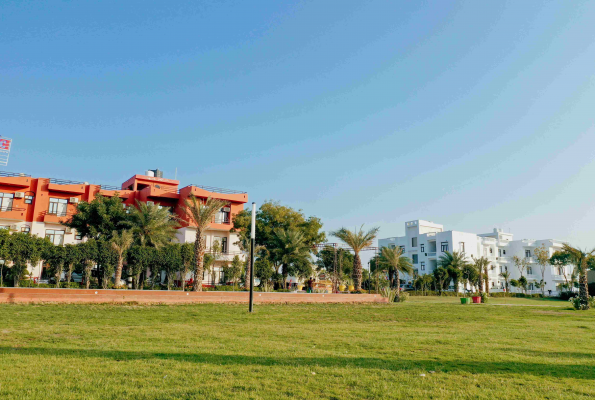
(542, 255)
(71, 259)
(264, 271)
(292, 251)
(395, 262)
(201, 213)
(506, 276)
(55, 257)
(152, 226)
(357, 240)
(521, 264)
(140, 258)
(24, 249)
(454, 263)
(121, 242)
(87, 254)
(441, 278)
(187, 254)
(481, 266)
(106, 260)
(99, 218)
(582, 260)
(470, 275)
(169, 259)
(560, 260)
(233, 271)
(4, 238)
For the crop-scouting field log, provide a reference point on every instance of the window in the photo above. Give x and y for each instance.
(78, 236)
(491, 251)
(402, 249)
(391, 246)
(493, 283)
(414, 257)
(422, 247)
(55, 236)
(499, 252)
(462, 246)
(222, 216)
(560, 270)
(6, 201)
(26, 229)
(414, 242)
(7, 227)
(224, 245)
(529, 271)
(527, 253)
(422, 266)
(58, 207)
(28, 199)
(444, 246)
(504, 252)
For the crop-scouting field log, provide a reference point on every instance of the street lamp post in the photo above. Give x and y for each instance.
(252, 238)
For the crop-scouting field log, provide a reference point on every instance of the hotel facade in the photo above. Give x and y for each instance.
(425, 242)
(39, 206)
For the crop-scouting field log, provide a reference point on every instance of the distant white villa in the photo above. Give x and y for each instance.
(424, 242)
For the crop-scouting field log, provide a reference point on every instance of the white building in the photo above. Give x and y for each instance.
(424, 242)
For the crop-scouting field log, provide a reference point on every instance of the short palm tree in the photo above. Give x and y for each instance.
(581, 259)
(121, 242)
(357, 240)
(395, 262)
(454, 263)
(151, 225)
(506, 276)
(201, 213)
(291, 250)
(481, 265)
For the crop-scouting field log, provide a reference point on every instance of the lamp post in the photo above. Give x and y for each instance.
(1, 271)
(252, 237)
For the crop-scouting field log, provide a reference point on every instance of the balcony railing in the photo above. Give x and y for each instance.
(60, 213)
(13, 174)
(220, 220)
(65, 182)
(11, 208)
(110, 187)
(217, 190)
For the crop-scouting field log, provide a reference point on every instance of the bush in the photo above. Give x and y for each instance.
(592, 289)
(566, 295)
(576, 302)
(403, 297)
(484, 297)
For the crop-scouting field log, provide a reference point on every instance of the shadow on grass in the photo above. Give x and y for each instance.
(472, 367)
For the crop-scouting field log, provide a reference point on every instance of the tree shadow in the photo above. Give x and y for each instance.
(471, 367)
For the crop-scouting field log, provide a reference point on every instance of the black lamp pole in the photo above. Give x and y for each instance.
(252, 237)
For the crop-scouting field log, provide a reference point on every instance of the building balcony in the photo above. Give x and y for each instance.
(431, 254)
(558, 278)
(64, 186)
(13, 213)
(57, 217)
(14, 179)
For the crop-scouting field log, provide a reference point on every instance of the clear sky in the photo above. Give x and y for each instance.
(476, 114)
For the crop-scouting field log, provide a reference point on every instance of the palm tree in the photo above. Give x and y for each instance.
(357, 240)
(481, 265)
(581, 259)
(440, 276)
(395, 262)
(121, 242)
(152, 226)
(292, 250)
(201, 213)
(506, 276)
(454, 263)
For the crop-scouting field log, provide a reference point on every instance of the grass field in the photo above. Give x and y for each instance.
(541, 349)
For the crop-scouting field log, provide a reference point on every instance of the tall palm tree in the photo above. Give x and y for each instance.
(151, 225)
(581, 259)
(121, 242)
(292, 250)
(201, 213)
(481, 265)
(357, 240)
(395, 262)
(454, 263)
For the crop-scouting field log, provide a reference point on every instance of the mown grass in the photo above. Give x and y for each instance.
(298, 351)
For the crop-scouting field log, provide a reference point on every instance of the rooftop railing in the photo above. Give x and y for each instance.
(65, 182)
(11, 174)
(217, 190)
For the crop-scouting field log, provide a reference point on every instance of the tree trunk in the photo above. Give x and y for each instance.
(456, 283)
(199, 256)
(119, 269)
(357, 272)
(398, 285)
(583, 289)
(69, 275)
(487, 280)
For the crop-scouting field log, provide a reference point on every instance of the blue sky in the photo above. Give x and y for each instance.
(471, 114)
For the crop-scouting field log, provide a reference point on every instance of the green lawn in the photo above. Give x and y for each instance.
(298, 351)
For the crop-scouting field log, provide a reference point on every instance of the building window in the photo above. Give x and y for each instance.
(28, 199)
(78, 236)
(224, 245)
(527, 253)
(414, 242)
(529, 271)
(422, 247)
(493, 284)
(55, 236)
(444, 247)
(7, 227)
(501, 269)
(504, 252)
(414, 257)
(422, 266)
(560, 270)
(26, 229)
(462, 246)
(391, 246)
(6, 201)
(499, 252)
(491, 251)
(222, 216)
(58, 207)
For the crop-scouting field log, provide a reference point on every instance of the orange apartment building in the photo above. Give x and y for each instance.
(40, 205)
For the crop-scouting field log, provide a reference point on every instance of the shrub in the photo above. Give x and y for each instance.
(566, 295)
(403, 297)
(592, 289)
(576, 302)
(484, 297)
